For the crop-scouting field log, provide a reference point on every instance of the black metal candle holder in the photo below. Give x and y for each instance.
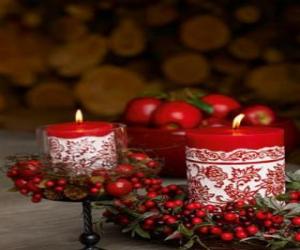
(89, 238)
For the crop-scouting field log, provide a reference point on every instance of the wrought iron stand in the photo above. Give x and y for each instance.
(88, 238)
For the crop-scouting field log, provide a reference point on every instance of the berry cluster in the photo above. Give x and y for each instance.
(165, 213)
(32, 178)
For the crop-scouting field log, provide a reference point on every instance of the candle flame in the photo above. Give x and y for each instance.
(237, 121)
(78, 116)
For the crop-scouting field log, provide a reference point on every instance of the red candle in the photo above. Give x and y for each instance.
(227, 164)
(82, 146)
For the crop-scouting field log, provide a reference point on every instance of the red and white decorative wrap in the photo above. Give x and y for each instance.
(82, 148)
(220, 169)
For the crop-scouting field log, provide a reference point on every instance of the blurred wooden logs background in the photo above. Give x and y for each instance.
(56, 55)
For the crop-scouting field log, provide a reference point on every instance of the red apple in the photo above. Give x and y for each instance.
(177, 114)
(139, 110)
(259, 115)
(222, 105)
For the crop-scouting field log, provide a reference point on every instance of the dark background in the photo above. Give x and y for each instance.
(56, 56)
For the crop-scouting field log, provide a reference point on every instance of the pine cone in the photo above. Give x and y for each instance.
(75, 193)
(52, 195)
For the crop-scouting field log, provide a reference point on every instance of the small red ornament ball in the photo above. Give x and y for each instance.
(227, 236)
(297, 237)
(296, 221)
(252, 229)
(230, 216)
(119, 188)
(124, 169)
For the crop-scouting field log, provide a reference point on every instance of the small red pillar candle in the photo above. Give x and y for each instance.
(82, 146)
(226, 164)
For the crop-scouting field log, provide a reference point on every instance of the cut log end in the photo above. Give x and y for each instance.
(50, 95)
(106, 90)
(248, 14)
(244, 48)
(204, 33)
(186, 68)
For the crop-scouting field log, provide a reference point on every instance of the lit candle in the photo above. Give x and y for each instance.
(82, 146)
(229, 164)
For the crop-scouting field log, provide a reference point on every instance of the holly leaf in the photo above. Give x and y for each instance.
(173, 236)
(295, 211)
(185, 231)
(141, 232)
(276, 245)
(188, 245)
(293, 185)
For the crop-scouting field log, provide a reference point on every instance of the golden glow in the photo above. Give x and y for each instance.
(78, 116)
(237, 121)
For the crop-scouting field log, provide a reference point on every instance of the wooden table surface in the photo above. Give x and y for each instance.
(51, 225)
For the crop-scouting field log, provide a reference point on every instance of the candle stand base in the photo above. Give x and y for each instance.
(88, 238)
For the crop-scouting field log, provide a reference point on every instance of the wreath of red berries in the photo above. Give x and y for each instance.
(165, 213)
(137, 201)
(34, 179)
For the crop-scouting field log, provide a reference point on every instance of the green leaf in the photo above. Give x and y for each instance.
(141, 232)
(185, 231)
(201, 243)
(295, 211)
(189, 244)
(200, 104)
(173, 236)
(293, 185)
(276, 245)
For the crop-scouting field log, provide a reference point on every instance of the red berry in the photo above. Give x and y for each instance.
(98, 185)
(152, 195)
(32, 187)
(203, 230)
(216, 230)
(152, 164)
(190, 206)
(171, 220)
(140, 175)
(119, 188)
(227, 236)
(59, 189)
(241, 235)
(170, 204)
(200, 213)
(29, 169)
(230, 217)
(13, 172)
(149, 222)
(297, 236)
(138, 156)
(239, 204)
(252, 229)
(50, 184)
(178, 203)
(37, 180)
(278, 219)
(196, 221)
(150, 204)
(293, 195)
(61, 182)
(260, 215)
(296, 221)
(124, 169)
(268, 223)
(172, 187)
(36, 198)
(24, 191)
(137, 185)
(20, 183)
(94, 191)
(210, 208)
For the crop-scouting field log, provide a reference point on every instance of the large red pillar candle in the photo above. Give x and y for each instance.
(225, 164)
(82, 146)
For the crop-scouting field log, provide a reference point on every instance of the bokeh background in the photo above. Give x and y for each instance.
(56, 56)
